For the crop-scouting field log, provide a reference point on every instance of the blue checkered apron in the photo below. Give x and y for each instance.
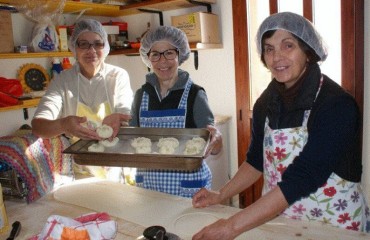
(181, 183)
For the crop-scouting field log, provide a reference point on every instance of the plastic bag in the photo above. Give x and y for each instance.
(46, 14)
(44, 38)
(90, 226)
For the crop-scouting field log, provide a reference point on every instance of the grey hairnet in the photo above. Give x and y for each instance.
(88, 25)
(297, 25)
(172, 35)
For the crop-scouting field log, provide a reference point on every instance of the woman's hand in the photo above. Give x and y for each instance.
(219, 230)
(215, 144)
(115, 120)
(71, 126)
(204, 198)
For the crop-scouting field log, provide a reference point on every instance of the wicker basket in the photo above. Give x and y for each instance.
(12, 185)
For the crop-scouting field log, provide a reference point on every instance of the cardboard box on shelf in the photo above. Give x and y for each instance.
(198, 26)
(6, 32)
(112, 32)
(63, 38)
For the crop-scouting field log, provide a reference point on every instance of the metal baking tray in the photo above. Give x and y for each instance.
(123, 155)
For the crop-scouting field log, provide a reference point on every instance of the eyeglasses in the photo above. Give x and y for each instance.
(83, 44)
(169, 54)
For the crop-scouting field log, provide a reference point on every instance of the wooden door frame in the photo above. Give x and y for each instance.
(352, 70)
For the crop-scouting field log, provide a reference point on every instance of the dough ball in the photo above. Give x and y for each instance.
(144, 149)
(142, 145)
(190, 150)
(194, 146)
(166, 150)
(167, 145)
(96, 147)
(91, 124)
(169, 142)
(104, 131)
(107, 143)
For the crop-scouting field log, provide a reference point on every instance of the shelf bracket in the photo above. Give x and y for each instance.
(208, 5)
(154, 11)
(196, 61)
(25, 113)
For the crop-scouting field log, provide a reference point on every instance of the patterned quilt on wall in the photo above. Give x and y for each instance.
(38, 162)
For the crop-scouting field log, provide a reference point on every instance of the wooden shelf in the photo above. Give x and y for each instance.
(23, 104)
(193, 47)
(35, 55)
(98, 9)
(128, 52)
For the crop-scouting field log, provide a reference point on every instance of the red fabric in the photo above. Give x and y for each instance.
(6, 100)
(93, 217)
(10, 89)
(11, 86)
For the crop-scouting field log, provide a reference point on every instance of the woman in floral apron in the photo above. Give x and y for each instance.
(306, 140)
(170, 99)
(91, 91)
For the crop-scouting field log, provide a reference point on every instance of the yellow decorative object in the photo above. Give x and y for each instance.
(33, 77)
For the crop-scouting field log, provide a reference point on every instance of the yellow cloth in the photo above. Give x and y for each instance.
(96, 115)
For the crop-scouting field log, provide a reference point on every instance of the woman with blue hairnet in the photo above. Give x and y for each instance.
(170, 99)
(305, 140)
(91, 93)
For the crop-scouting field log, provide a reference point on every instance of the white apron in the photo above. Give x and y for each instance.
(96, 115)
(339, 202)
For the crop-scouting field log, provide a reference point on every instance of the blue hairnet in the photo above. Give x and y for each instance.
(88, 25)
(297, 25)
(172, 35)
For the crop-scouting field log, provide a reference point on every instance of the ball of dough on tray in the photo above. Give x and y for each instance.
(194, 146)
(142, 145)
(107, 143)
(167, 145)
(96, 147)
(167, 150)
(143, 149)
(104, 131)
(169, 141)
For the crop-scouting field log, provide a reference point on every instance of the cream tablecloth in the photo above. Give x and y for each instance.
(135, 208)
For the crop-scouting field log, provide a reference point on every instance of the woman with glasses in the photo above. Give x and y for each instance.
(170, 99)
(92, 92)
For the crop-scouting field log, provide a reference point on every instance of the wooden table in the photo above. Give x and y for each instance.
(33, 217)
(122, 201)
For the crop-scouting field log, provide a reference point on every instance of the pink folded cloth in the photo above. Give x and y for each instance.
(94, 226)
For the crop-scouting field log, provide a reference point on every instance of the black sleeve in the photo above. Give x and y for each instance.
(333, 133)
(135, 108)
(255, 151)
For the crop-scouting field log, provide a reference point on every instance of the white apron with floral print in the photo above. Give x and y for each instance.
(339, 202)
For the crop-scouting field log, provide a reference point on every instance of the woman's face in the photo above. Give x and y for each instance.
(284, 57)
(164, 69)
(89, 52)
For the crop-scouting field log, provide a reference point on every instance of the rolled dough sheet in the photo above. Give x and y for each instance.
(142, 206)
